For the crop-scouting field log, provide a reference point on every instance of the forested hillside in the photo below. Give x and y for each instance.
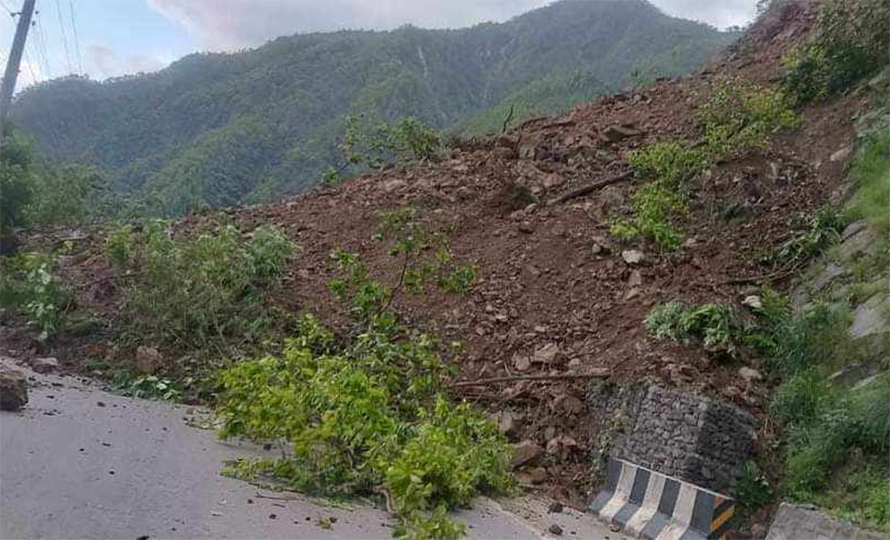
(220, 129)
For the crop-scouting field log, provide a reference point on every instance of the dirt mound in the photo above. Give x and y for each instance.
(555, 294)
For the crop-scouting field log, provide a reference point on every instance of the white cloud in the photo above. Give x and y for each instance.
(235, 24)
(103, 62)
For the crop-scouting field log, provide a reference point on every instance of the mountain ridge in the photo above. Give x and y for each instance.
(227, 128)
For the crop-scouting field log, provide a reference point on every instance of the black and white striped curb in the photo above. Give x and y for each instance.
(650, 505)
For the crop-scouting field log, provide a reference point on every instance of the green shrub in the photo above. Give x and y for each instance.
(738, 117)
(367, 417)
(424, 258)
(66, 196)
(28, 284)
(671, 162)
(753, 490)
(713, 325)
(825, 229)
(851, 42)
(384, 144)
(118, 246)
(817, 337)
(16, 179)
(871, 171)
(194, 291)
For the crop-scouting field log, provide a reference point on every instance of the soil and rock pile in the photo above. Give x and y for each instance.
(555, 294)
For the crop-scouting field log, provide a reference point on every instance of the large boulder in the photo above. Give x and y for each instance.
(13, 389)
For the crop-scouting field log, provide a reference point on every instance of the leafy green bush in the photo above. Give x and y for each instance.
(118, 246)
(851, 42)
(148, 387)
(425, 258)
(671, 162)
(660, 202)
(738, 117)
(384, 144)
(366, 417)
(714, 325)
(825, 229)
(871, 170)
(30, 285)
(67, 196)
(753, 490)
(193, 291)
(16, 179)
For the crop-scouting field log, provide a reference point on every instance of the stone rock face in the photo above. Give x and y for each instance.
(44, 365)
(793, 522)
(13, 389)
(693, 438)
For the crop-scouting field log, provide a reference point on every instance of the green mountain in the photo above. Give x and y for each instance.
(220, 129)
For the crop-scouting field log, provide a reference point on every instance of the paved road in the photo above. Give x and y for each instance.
(82, 463)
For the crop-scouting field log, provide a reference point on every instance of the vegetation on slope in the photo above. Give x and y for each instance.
(217, 129)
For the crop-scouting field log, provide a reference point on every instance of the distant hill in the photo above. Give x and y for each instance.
(220, 129)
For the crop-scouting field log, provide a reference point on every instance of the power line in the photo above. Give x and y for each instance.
(11, 14)
(41, 45)
(64, 37)
(76, 38)
(34, 79)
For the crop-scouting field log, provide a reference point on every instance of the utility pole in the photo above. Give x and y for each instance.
(15, 59)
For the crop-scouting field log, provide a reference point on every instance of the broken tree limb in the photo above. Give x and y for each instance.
(590, 188)
(597, 374)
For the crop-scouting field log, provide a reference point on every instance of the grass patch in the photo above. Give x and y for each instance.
(715, 326)
(737, 118)
(871, 172)
(850, 42)
(823, 230)
(200, 292)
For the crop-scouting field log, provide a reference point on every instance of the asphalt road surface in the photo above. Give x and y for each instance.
(78, 462)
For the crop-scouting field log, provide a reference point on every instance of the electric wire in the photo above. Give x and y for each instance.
(64, 37)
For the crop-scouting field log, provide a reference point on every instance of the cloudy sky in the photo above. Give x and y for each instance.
(109, 38)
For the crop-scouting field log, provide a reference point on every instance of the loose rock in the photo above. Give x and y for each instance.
(45, 365)
(555, 530)
(148, 359)
(13, 389)
(525, 452)
(632, 256)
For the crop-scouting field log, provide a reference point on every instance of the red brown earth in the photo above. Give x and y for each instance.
(549, 276)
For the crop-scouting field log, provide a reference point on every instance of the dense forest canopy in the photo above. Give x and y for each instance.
(224, 128)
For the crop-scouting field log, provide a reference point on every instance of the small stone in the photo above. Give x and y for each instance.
(148, 359)
(632, 293)
(753, 301)
(526, 227)
(632, 256)
(537, 475)
(546, 354)
(750, 374)
(555, 507)
(616, 133)
(635, 280)
(521, 362)
(508, 423)
(45, 365)
(555, 530)
(575, 364)
(13, 389)
(525, 452)
(841, 154)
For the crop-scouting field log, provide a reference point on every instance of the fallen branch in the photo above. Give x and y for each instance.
(590, 188)
(598, 374)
